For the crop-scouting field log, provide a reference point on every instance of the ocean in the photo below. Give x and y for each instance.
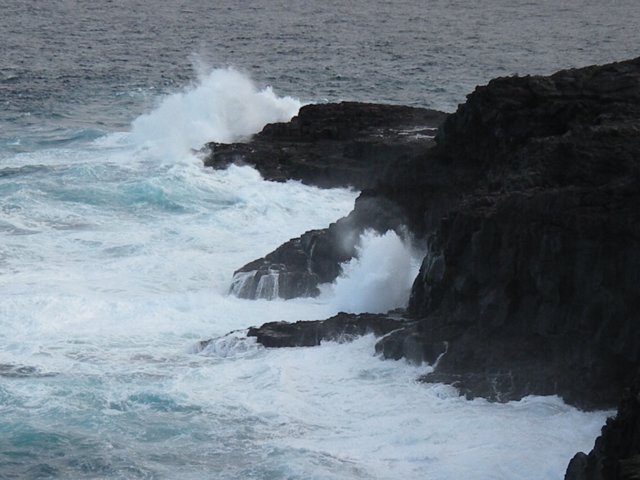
(117, 247)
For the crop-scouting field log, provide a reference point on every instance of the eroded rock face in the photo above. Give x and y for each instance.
(411, 343)
(533, 273)
(284, 273)
(578, 114)
(346, 144)
(530, 205)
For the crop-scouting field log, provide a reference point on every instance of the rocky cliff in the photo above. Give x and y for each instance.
(329, 145)
(529, 203)
(533, 274)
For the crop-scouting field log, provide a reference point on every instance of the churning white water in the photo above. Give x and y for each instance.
(380, 278)
(223, 106)
(116, 254)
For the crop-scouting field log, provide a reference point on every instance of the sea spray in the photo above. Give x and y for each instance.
(379, 278)
(223, 106)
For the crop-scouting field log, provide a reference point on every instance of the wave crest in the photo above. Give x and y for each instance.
(223, 106)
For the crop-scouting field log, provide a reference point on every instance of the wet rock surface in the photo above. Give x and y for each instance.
(410, 343)
(529, 205)
(347, 144)
(341, 327)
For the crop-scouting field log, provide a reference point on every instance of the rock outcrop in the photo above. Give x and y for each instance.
(342, 327)
(346, 144)
(529, 203)
(299, 266)
(533, 272)
(328, 145)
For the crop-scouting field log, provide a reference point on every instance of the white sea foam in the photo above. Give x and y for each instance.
(119, 264)
(337, 412)
(379, 278)
(223, 106)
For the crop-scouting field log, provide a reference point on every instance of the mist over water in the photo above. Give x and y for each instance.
(380, 278)
(117, 246)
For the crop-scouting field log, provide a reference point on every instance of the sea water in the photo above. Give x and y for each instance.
(117, 247)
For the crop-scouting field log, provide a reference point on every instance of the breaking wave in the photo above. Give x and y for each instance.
(379, 278)
(224, 105)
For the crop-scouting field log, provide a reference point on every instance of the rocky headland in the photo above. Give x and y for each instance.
(528, 201)
(346, 144)
(328, 145)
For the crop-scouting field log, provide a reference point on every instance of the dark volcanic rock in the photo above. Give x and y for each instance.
(530, 205)
(555, 273)
(410, 343)
(347, 144)
(530, 202)
(616, 454)
(341, 327)
(543, 114)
